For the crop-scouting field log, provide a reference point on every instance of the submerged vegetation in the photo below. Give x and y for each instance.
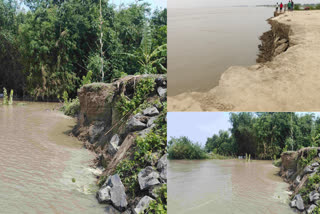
(48, 48)
(7, 100)
(254, 135)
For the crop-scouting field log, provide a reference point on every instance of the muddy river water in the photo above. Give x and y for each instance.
(204, 41)
(38, 161)
(226, 186)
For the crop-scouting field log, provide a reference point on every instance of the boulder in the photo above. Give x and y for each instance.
(299, 202)
(95, 131)
(315, 164)
(114, 144)
(161, 81)
(307, 170)
(148, 177)
(151, 121)
(162, 167)
(311, 208)
(144, 132)
(297, 180)
(314, 196)
(103, 195)
(293, 203)
(162, 92)
(135, 125)
(152, 111)
(143, 204)
(114, 192)
(153, 191)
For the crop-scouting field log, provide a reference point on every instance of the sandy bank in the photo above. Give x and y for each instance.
(289, 82)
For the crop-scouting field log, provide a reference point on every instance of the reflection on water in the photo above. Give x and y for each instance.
(38, 161)
(204, 42)
(228, 186)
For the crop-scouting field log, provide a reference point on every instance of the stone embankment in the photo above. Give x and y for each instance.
(301, 170)
(111, 134)
(286, 77)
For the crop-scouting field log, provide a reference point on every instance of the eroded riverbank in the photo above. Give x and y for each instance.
(289, 82)
(228, 186)
(38, 161)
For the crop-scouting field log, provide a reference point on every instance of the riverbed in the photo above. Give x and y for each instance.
(226, 186)
(38, 161)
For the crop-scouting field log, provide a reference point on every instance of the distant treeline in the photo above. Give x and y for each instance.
(47, 46)
(262, 135)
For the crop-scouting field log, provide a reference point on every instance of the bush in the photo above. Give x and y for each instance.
(72, 108)
(183, 148)
(318, 7)
(296, 7)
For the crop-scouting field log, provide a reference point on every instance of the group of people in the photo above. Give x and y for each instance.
(285, 7)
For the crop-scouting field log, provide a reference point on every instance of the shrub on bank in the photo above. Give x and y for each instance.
(71, 108)
(183, 148)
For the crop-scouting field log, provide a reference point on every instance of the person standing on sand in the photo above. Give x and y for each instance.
(281, 6)
(289, 6)
(285, 8)
(277, 5)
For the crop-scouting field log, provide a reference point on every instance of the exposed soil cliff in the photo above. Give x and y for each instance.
(124, 123)
(285, 79)
(301, 170)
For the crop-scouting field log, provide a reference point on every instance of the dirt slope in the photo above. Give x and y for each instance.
(289, 82)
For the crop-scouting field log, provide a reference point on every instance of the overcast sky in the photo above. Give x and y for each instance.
(198, 126)
(154, 3)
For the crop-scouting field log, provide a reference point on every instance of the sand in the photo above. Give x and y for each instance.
(289, 82)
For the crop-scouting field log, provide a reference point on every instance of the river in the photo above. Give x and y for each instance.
(226, 186)
(204, 41)
(38, 161)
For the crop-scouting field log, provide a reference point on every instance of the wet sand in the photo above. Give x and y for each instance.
(290, 82)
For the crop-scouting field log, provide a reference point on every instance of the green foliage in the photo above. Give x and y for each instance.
(304, 161)
(159, 206)
(72, 108)
(155, 141)
(296, 7)
(183, 148)
(11, 98)
(73, 180)
(142, 90)
(128, 171)
(317, 7)
(265, 135)
(87, 79)
(312, 184)
(5, 96)
(48, 49)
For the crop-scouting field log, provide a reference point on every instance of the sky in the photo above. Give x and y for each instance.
(198, 126)
(154, 3)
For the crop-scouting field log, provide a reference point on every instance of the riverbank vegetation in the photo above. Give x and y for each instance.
(47, 47)
(258, 135)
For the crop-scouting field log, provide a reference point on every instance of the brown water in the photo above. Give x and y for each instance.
(226, 186)
(204, 41)
(38, 161)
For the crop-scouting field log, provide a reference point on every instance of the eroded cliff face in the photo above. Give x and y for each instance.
(285, 79)
(301, 170)
(111, 118)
